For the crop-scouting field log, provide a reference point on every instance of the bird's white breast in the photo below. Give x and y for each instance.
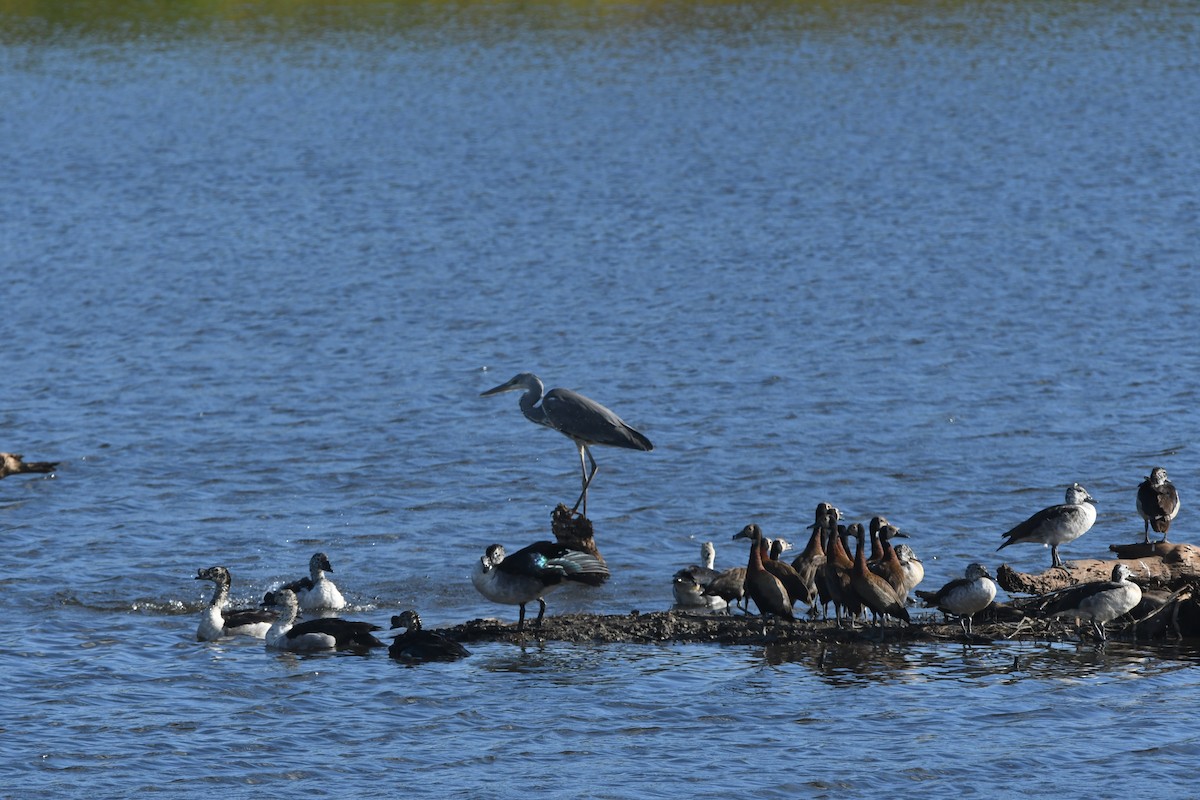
(505, 587)
(975, 596)
(323, 595)
(212, 625)
(1108, 605)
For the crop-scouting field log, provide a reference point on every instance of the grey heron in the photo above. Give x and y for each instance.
(582, 419)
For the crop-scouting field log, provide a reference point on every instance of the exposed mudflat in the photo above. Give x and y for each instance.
(685, 626)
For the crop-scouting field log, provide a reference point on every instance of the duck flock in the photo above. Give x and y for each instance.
(855, 568)
(879, 584)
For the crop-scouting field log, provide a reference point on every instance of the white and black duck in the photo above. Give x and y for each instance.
(1099, 602)
(689, 583)
(216, 621)
(1058, 524)
(325, 633)
(964, 597)
(418, 644)
(532, 572)
(1157, 503)
(913, 569)
(316, 592)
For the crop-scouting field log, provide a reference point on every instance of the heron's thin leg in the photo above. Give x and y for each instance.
(584, 450)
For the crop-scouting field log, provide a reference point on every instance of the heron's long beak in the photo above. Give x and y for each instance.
(504, 387)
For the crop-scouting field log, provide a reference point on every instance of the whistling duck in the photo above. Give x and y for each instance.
(796, 590)
(1157, 503)
(418, 644)
(769, 594)
(964, 597)
(12, 464)
(1058, 524)
(875, 592)
(1098, 601)
(531, 572)
(316, 592)
(325, 633)
(873, 527)
(688, 584)
(888, 566)
(217, 621)
(809, 563)
(838, 568)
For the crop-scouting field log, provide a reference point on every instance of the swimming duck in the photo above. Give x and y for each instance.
(216, 621)
(12, 464)
(1099, 602)
(315, 592)
(418, 644)
(531, 572)
(767, 591)
(1058, 524)
(1157, 503)
(324, 633)
(964, 597)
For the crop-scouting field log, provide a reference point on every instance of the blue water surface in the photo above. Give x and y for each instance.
(932, 260)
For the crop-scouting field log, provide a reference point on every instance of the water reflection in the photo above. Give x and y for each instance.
(860, 663)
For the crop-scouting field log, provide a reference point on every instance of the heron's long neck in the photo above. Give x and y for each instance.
(530, 408)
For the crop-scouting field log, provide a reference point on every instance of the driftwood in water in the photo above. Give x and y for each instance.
(575, 531)
(1155, 566)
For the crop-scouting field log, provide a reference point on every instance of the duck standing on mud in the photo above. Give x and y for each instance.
(532, 572)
